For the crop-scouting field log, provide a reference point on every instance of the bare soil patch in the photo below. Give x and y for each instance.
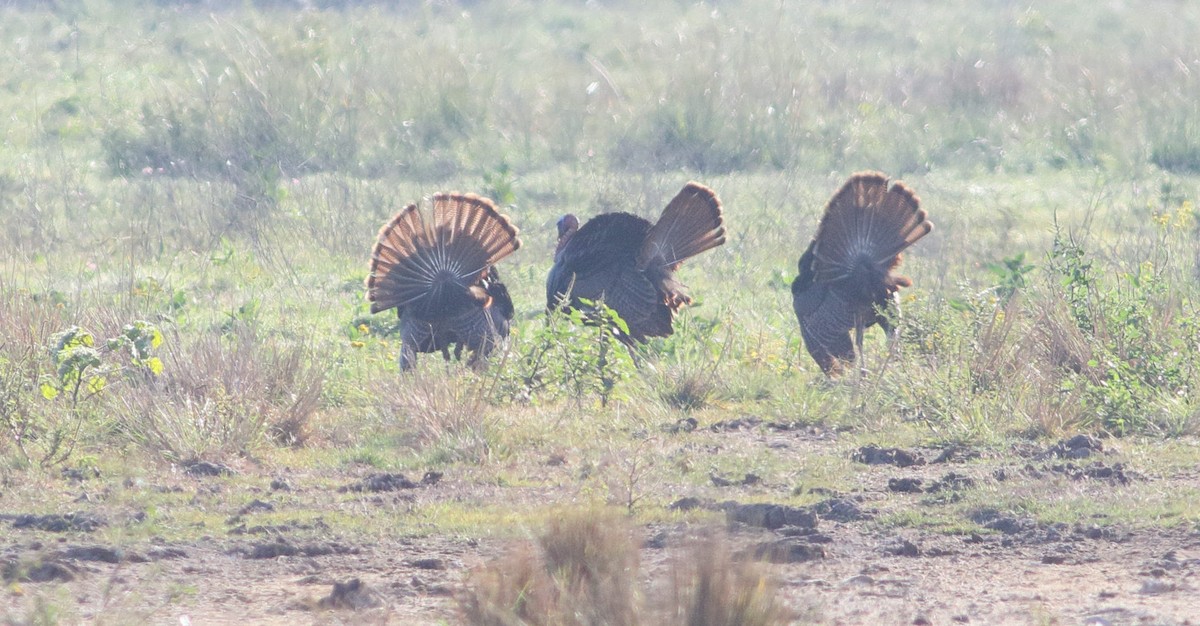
(291, 550)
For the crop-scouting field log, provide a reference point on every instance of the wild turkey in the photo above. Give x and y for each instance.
(441, 277)
(846, 281)
(629, 264)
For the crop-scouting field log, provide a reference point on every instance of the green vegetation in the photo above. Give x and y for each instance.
(188, 194)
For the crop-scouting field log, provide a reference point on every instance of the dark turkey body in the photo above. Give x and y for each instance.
(825, 309)
(458, 321)
(599, 263)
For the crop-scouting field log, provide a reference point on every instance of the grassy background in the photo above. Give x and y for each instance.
(219, 170)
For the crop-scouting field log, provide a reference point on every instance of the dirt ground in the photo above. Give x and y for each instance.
(1146, 578)
(834, 561)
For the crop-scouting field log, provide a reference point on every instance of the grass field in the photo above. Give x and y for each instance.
(189, 193)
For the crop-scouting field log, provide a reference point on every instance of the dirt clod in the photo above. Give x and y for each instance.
(1077, 447)
(786, 427)
(899, 546)
(205, 468)
(769, 516)
(282, 547)
(956, 454)
(55, 523)
(748, 479)
(788, 550)
(874, 455)
(1154, 587)
(380, 482)
(79, 475)
(1102, 532)
(905, 485)
(657, 541)
(683, 425)
(93, 553)
(1096, 471)
(1007, 524)
(156, 554)
(352, 594)
(686, 504)
(12, 570)
(256, 506)
(840, 510)
(952, 481)
(741, 423)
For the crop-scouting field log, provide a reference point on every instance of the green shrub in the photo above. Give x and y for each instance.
(576, 353)
(1136, 354)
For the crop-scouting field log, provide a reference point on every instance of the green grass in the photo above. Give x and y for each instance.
(220, 172)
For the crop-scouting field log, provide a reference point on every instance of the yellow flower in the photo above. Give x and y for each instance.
(357, 344)
(364, 329)
(1183, 215)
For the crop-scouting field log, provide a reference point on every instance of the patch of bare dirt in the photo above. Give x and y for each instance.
(269, 559)
(843, 572)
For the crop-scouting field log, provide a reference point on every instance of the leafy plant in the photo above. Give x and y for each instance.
(577, 353)
(82, 372)
(73, 353)
(1010, 275)
(1136, 355)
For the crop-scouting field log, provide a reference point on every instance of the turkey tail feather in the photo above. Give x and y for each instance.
(867, 221)
(476, 236)
(432, 266)
(691, 224)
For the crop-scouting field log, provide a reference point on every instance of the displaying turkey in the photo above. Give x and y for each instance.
(846, 281)
(630, 264)
(441, 277)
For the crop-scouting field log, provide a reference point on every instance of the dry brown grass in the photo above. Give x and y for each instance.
(29, 433)
(583, 571)
(712, 588)
(222, 395)
(449, 411)
(580, 571)
(688, 389)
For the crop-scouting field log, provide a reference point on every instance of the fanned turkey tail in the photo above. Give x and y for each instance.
(430, 270)
(865, 228)
(690, 224)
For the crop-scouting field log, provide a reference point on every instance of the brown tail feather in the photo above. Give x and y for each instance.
(690, 224)
(867, 221)
(429, 268)
(478, 232)
(398, 240)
